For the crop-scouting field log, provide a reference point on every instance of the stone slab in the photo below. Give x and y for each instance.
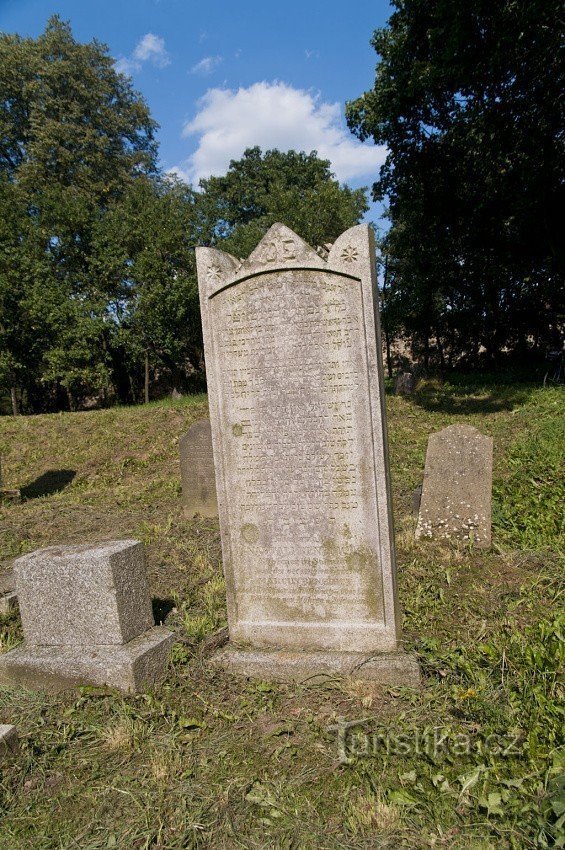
(8, 740)
(457, 489)
(90, 594)
(8, 603)
(131, 668)
(392, 668)
(197, 471)
(295, 387)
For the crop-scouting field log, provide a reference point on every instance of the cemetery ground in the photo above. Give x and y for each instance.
(471, 760)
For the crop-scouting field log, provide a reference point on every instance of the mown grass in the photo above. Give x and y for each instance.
(471, 760)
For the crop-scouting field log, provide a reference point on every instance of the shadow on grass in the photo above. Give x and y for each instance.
(491, 394)
(161, 609)
(52, 481)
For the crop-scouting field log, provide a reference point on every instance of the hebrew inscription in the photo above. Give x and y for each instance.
(299, 436)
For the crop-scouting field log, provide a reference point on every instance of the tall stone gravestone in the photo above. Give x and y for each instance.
(197, 471)
(457, 489)
(298, 425)
(87, 619)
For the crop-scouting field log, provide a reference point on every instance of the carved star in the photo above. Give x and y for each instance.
(349, 254)
(214, 272)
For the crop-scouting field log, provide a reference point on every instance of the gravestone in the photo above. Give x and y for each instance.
(8, 740)
(296, 398)
(404, 384)
(457, 488)
(8, 597)
(86, 617)
(197, 471)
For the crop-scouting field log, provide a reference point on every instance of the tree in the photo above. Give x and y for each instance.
(143, 258)
(73, 137)
(297, 189)
(467, 100)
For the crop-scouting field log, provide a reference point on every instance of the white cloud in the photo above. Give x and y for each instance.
(150, 48)
(206, 65)
(273, 115)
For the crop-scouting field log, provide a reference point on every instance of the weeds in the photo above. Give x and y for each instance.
(472, 760)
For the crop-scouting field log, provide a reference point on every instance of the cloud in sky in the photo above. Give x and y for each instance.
(206, 65)
(273, 115)
(150, 48)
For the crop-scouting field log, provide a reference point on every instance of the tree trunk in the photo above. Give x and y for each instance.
(15, 405)
(388, 355)
(146, 383)
(71, 400)
(441, 353)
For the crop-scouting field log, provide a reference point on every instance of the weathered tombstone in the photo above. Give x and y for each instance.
(8, 597)
(296, 397)
(404, 384)
(8, 740)
(197, 471)
(457, 489)
(86, 616)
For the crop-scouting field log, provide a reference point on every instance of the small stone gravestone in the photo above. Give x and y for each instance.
(86, 616)
(197, 471)
(404, 384)
(296, 397)
(457, 489)
(8, 597)
(8, 740)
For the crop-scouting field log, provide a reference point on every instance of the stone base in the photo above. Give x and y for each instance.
(277, 665)
(130, 667)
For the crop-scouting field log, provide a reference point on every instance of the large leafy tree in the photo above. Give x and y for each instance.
(467, 99)
(74, 137)
(143, 258)
(293, 187)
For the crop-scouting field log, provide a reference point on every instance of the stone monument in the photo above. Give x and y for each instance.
(457, 489)
(8, 740)
(8, 596)
(86, 616)
(197, 471)
(296, 398)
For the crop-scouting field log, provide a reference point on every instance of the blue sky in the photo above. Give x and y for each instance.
(220, 77)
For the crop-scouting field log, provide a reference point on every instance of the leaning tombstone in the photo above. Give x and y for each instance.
(457, 489)
(87, 619)
(197, 471)
(296, 397)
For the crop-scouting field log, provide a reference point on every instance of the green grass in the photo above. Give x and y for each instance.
(471, 760)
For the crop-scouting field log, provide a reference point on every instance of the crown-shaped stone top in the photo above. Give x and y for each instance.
(280, 246)
(352, 253)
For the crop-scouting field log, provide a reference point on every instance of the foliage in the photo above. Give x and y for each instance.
(472, 759)
(74, 136)
(260, 189)
(98, 291)
(467, 100)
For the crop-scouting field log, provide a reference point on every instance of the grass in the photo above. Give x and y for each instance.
(472, 760)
